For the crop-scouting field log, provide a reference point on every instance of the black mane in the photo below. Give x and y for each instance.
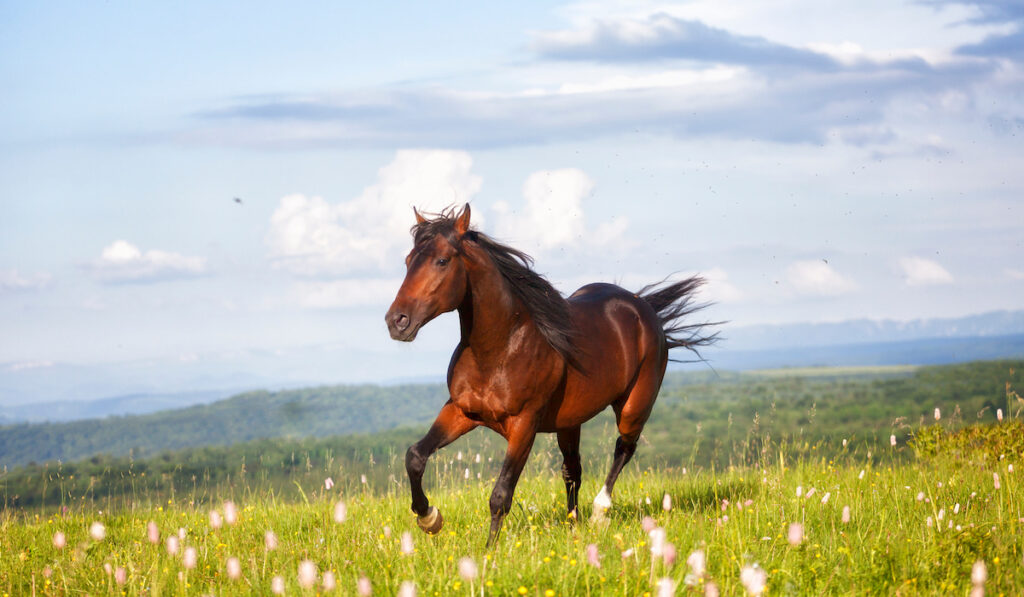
(547, 307)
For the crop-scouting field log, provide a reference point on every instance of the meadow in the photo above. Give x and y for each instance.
(933, 506)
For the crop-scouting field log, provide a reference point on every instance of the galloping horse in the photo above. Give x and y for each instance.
(531, 361)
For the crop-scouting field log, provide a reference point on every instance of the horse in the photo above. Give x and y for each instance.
(530, 361)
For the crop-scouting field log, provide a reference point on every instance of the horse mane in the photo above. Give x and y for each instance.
(546, 306)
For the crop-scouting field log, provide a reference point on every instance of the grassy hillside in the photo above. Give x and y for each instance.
(311, 412)
(811, 524)
(700, 421)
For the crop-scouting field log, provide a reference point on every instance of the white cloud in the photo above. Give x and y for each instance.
(122, 261)
(13, 280)
(718, 288)
(310, 237)
(552, 214)
(818, 278)
(1014, 274)
(918, 271)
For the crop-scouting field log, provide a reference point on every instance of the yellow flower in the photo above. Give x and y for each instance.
(522, 590)
(549, 593)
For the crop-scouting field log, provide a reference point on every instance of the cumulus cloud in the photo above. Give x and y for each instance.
(12, 280)
(918, 271)
(818, 278)
(311, 237)
(552, 213)
(123, 262)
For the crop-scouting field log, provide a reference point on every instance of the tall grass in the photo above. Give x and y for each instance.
(919, 521)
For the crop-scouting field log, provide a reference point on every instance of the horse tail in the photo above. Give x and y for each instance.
(674, 303)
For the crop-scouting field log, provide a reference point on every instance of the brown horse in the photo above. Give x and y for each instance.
(531, 361)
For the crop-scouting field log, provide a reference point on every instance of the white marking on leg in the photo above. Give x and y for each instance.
(603, 501)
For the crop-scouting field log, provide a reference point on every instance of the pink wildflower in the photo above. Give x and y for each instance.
(215, 519)
(666, 587)
(995, 480)
(97, 531)
(270, 540)
(796, 534)
(666, 503)
(340, 512)
(307, 574)
(188, 559)
(406, 543)
(59, 540)
(648, 524)
(234, 568)
(330, 582)
(277, 585)
(363, 587)
(173, 544)
(846, 514)
(408, 589)
(467, 569)
(328, 483)
(593, 556)
(230, 512)
(153, 532)
(697, 563)
(120, 575)
(753, 579)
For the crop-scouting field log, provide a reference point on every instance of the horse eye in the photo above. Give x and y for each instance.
(443, 261)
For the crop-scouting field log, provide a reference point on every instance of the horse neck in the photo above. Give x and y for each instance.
(490, 313)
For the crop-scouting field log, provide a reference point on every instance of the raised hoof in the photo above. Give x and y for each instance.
(431, 522)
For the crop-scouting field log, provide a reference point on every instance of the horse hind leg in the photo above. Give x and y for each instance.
(572, 470)
(631, 415)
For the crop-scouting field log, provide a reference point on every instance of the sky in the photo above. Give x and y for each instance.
(815, 161)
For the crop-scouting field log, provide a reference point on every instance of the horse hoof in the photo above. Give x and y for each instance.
(431, 522)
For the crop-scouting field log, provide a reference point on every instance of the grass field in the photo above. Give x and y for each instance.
(917, 525)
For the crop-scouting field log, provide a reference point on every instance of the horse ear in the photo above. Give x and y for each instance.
(419, 219)
(462, 221)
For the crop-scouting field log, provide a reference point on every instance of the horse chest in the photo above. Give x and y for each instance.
(492, 395)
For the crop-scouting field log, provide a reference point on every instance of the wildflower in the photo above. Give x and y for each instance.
(725, 505)
(941, 515)
(330, 583)
(362, 479)
(657, 536)
(477, 459)
(363, 587)
(340, 512)
(307, 574)
(999, 414)
(188, 559)
(711, 590)
(47, 572)
(748, 503)
(666, 503)
(108, 568)
(628, 553)
(666, 587)
(669, 554)
(406, 543)
(799, 490)
(697, 563)
(928, 521)
(844, 442)
(979, 573)
(234, 568)
(467, 568)
(995, 480)
(153, 532)
(1009, 468)
(810, 492)
(120, 575)
(173, 545)
(892, 440)
(277, 585)
(270, 540)
(408, 589)
(938, 413)
(215, 520)
(754, 579)
(328, 483)
(593, 556)
(466, 474)
(387, 532)
(861, 475)
(97, 531)
(796, 534)
(648, 524)
(824, 498)
(956, 508)
(920, 496)
(59, 540)
(846, 514)
(230, 512)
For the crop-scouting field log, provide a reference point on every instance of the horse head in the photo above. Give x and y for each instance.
(435, 278)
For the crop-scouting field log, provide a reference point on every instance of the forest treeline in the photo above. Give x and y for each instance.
(700, 420)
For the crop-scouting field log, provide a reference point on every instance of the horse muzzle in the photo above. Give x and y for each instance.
(401, 326)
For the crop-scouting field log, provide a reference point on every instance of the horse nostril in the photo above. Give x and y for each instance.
(402, 321)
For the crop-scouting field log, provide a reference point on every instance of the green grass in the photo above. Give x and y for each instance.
(887, 547)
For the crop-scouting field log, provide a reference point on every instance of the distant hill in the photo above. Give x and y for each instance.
(311, 412)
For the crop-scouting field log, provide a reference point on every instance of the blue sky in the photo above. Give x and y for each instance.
(817, 161)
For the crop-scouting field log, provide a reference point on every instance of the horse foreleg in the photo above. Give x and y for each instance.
(520, 433)
(450, 425)
(572, 470)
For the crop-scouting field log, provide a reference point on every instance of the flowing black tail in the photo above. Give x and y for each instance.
(673, 303)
